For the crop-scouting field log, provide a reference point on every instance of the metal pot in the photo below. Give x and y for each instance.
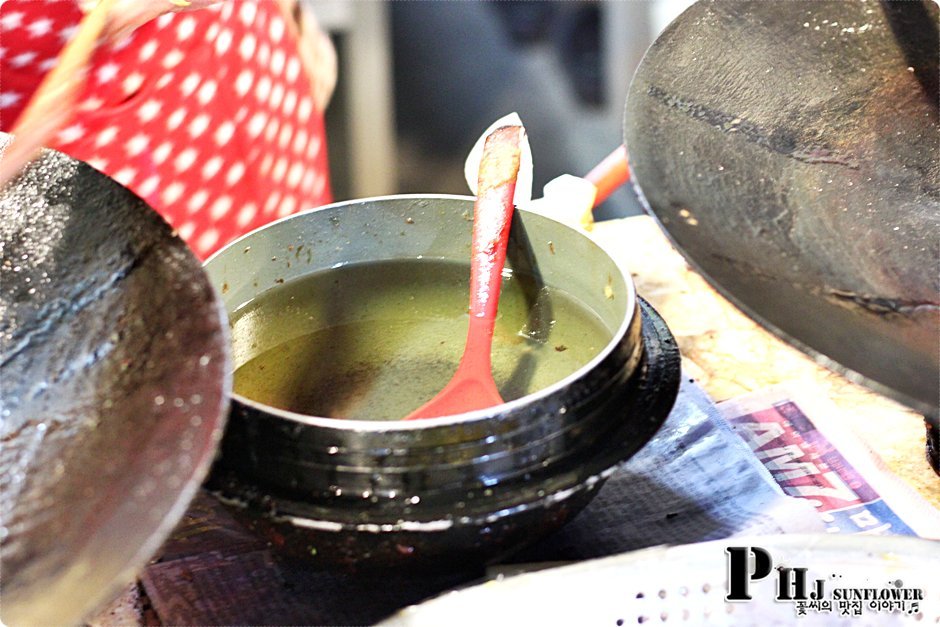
(423, 493)
(115, 375)
(790, 151)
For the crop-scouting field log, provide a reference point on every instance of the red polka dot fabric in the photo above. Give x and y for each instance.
(207, 115)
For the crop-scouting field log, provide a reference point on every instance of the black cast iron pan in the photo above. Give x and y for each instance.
(790, 149)
(115, 377)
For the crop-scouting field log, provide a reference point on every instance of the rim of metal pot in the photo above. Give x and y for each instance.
(482, 414)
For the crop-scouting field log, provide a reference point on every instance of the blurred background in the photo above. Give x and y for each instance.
(420, 81)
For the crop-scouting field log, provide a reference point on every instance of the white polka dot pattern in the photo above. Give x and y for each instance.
(207, 115)
(247, 214)
(197, 201)
(148, 187)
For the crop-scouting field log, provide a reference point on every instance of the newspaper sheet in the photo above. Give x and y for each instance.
(811, 453)
(696, 480)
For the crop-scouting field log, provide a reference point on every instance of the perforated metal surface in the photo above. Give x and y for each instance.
(687, 585)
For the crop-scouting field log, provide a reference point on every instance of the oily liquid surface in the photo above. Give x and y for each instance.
(374, 341)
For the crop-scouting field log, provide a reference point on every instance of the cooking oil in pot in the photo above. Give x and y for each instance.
(373, 341)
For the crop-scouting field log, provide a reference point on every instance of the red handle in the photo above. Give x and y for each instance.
(609, 174)
(492, 215)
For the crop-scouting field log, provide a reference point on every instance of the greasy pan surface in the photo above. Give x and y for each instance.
(115, 384)
(790, 150)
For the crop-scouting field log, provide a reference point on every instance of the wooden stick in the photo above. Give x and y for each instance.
(52, 104)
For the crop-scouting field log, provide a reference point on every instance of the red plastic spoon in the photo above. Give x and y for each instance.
(472, 386)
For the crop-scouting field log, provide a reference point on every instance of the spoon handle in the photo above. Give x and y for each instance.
(492, 215)
(610, 174)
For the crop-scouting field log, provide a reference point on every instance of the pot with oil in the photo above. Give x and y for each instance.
(346, 318)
